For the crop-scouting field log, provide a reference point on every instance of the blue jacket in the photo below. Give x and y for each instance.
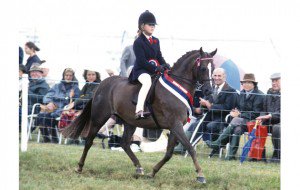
(144, 51)
(59, 95)
(36, 91)
(30, 60)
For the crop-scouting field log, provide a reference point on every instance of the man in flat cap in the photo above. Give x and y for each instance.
(271, 114)
(38, 86)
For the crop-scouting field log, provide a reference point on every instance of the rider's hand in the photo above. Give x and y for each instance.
(160, 69)
(167, 66)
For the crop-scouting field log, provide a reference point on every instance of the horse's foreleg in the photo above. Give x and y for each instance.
(125, 143)
(179, 133)
(170, 148)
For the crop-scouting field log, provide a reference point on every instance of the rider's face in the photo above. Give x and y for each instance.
(149, 29)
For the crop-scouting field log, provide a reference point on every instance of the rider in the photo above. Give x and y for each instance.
(148, 60)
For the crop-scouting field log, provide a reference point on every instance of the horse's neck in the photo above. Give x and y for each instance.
(190, 86)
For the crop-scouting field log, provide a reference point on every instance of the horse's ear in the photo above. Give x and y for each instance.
(201, 51)
(214, 52)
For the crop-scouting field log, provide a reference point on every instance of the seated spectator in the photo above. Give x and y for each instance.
(56, 99)
(218, 103)
(38, 87)
(250, 104)
(73, 109)
(271, 114)
(31, 49)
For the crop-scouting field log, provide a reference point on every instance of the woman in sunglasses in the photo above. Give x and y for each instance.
(149, 60)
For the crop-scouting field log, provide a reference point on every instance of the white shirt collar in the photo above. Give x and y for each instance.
(147, 36)
(220, 87)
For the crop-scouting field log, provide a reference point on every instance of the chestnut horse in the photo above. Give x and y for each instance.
(115, 94)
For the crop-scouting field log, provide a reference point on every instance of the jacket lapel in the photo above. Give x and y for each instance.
(225, 88)
(147, 42)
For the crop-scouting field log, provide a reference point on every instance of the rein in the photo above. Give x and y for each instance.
(197, 63)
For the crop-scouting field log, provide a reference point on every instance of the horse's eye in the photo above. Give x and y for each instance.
(203, 69)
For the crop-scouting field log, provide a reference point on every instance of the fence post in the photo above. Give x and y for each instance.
(24, 138)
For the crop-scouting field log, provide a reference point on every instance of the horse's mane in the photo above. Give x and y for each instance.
(182, 58)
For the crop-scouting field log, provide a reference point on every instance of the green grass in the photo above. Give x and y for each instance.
(49, 166)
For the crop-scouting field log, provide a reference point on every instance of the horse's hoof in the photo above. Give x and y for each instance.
(78, 170)
(151, 175)
(139, 171)
(201, 179)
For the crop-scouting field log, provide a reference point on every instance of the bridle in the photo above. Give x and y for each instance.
(198, 68)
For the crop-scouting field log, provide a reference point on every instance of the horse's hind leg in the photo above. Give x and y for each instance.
(94, 128)
(125, 143)
(170, 148)
(180, 135)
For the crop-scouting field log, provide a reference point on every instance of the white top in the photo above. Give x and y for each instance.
(220, 87)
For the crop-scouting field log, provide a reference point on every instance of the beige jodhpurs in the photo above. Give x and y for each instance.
(145, 79)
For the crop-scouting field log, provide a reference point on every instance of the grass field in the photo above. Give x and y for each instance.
(49, 166)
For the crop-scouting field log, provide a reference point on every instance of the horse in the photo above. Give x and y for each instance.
(114, 96)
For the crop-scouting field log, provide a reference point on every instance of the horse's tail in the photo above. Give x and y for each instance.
(80, 123)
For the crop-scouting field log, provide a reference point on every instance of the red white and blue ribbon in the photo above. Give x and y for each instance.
(179, 91)
(154, 62)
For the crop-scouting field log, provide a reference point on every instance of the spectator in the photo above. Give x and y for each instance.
(31, 49)
(56, 99)
(271, 114)
(73, 109)
(250, 104)
(21, 56)
(219, 103)
(38, 87)
(127, 60)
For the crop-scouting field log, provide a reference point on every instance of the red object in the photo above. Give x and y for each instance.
(259, 142)
(154, 41)
(67, 117)
(151, 40)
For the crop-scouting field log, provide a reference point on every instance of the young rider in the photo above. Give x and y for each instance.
(149, 59)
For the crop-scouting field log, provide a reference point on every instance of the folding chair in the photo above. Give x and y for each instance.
(31, 118)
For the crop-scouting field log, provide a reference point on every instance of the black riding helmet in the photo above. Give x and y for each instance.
(146, 18)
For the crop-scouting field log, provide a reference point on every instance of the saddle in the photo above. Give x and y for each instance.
(150, 96)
